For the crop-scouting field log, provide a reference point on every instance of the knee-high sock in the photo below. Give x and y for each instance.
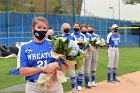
(109, 74)
(86, 79)
(80, 79)
(73, 82)
(114, 73)
(93, 74)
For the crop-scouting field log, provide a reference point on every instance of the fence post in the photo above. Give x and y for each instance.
(73, 12)
(7, 33)
(45, 6)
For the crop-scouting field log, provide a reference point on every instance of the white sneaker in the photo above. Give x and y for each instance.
(79, 88)
(89, 84)
(92, 84)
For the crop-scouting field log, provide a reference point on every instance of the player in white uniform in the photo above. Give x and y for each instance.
(65, 28)
(94, 57)
(87, 59)
(35, 57)
(113, 40)
(79, 35)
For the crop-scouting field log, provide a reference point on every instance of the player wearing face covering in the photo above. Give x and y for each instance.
(34, 58)
(65, 28)
(87, 59)
(113, 40)
(94, 57)
(79, 35)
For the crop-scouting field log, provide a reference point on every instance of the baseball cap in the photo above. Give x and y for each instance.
(114, 26)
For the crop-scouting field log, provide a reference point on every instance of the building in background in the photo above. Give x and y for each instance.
(100, 8)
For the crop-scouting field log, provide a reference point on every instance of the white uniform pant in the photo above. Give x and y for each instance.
(91, 61)
(87, 64)
(94, 60)
(113, 56)
(31, 88)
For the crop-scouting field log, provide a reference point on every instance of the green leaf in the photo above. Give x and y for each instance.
(80, 61)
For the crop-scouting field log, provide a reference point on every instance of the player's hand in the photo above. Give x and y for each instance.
(51, 67)
(64, 67)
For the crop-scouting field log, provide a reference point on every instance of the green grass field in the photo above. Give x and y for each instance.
(129, 62)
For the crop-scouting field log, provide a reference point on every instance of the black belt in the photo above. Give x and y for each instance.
(32, 80)
(114, 46)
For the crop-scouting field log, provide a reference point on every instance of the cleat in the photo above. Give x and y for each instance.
(87, 86)
(79, 88)
(110, 81)
(116, 80)
(92, 84)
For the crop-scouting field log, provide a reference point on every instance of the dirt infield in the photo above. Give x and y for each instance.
(130, 83)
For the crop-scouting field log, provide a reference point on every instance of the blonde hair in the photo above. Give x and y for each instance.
(36, 19)
(83, 26)
(62, 27)
(50, 31)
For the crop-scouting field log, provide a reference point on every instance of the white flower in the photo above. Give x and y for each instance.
(93, 39)
(100, 42)
(80, 40)
(75, 48)
(62, 38)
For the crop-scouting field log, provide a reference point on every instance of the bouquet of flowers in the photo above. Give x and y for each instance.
(81, 43)
(50, 82)
(83, 46)
(69, 52)
(97, 42)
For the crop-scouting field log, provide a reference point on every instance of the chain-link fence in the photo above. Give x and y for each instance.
(16, 19)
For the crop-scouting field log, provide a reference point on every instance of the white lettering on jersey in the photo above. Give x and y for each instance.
(33, 56)
(40, 63)
(115, 39)
(39, 56)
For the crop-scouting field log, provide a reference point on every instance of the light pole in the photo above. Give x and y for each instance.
(85, 10)
(112, 12)
(119, 10)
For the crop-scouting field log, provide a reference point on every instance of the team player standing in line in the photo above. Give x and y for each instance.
(87, 58)
(79, 35)
(113, 40)
(35, 57)
(93, 57)
(65, 28)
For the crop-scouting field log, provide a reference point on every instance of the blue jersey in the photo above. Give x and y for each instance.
(35, 55)
(113, 39)
(95, 35)
(69, 36)
(88, 36)
(80, 35)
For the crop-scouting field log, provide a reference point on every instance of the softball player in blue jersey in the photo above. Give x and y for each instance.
(77, 34)
(87, 59)
(49, 34)
(35, 57)
(65, 28)
(94, 57)
(113, 40)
